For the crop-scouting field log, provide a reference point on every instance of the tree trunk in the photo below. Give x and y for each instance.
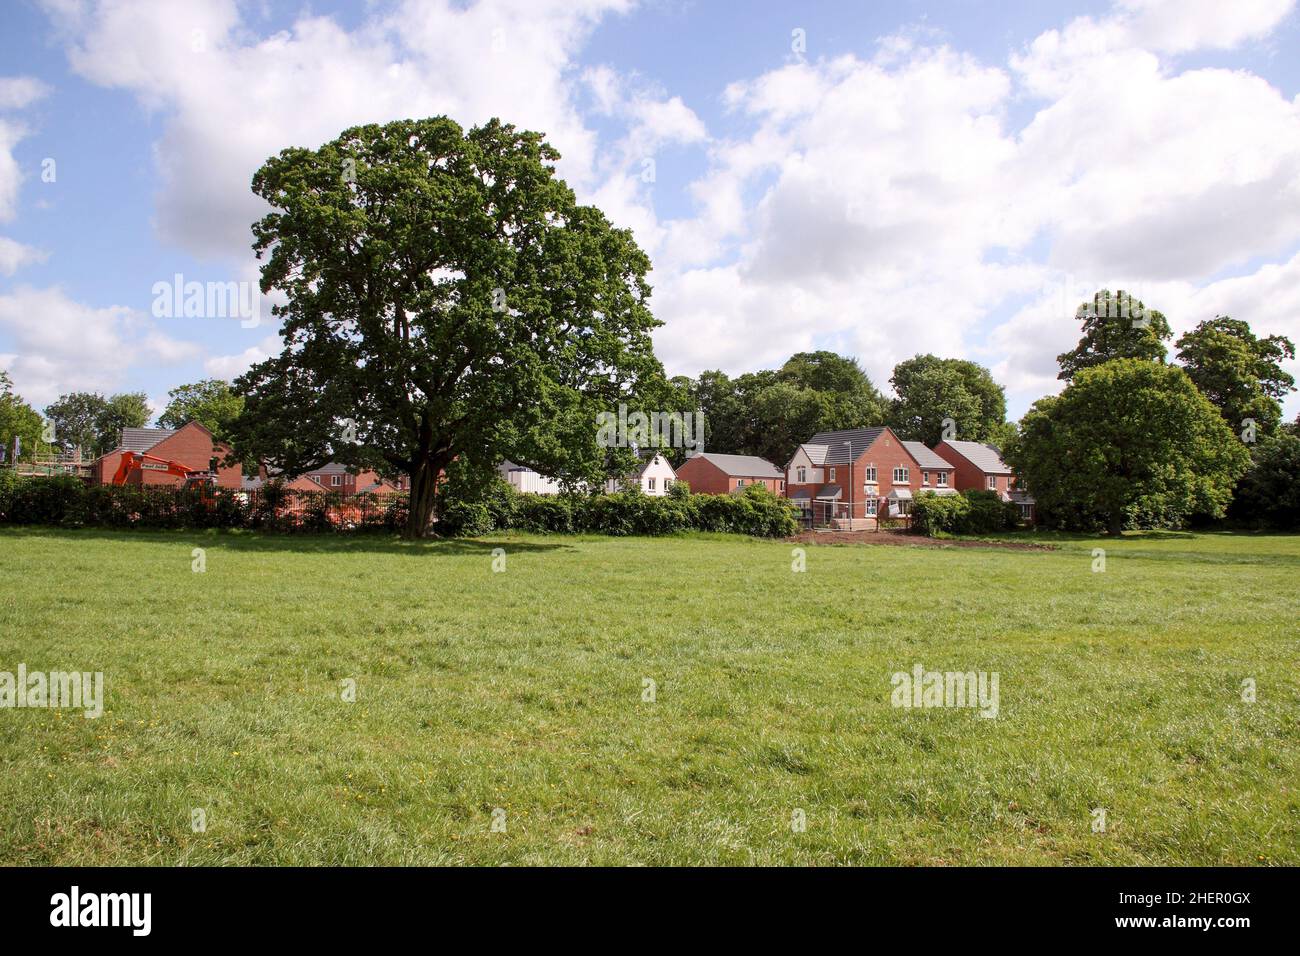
(424, 483)
(1115, 523)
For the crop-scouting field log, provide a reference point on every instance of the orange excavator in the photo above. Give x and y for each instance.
(133, 461)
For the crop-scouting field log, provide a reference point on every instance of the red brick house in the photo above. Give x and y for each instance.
(850, 479)
(711, 474)
(191, 445)
(981, 466)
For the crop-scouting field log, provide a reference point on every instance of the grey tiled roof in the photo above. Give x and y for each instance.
(743, 466)
(142, 439)
(925, 457)
(844, 446)
(983, 457)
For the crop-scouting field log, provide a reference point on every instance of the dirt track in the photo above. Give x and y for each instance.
(909, 540)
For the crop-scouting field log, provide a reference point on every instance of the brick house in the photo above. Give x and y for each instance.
(191, 445)
(850, 479)
(981, 466)
(711, 474)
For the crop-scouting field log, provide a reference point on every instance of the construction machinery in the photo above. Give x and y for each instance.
(133, 461)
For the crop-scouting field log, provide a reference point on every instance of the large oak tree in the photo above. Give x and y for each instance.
(447, 300)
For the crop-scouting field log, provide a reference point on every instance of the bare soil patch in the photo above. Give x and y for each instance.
(899, 539)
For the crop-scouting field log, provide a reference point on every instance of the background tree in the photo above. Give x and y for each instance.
(1269, 493)
(1130, 441)
(930, 389)
(1239, 373)
(94, 423)
(18, 419)
(210, 402)
(1115, 325)
(769, 412)
(448, 300)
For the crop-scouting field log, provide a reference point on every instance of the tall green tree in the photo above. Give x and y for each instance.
(931, 389)
(94, 423)
(211, 402)
(1241, 374)
(20, 420)
(1115, 325)
(447, 300)
(1129, 441)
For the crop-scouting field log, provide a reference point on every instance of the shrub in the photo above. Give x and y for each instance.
(936, 515)
(988, 513)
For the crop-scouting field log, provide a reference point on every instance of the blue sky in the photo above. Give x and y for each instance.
(946, 177)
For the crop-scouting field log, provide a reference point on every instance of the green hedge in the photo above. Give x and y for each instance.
(971, 512)
(69, 502)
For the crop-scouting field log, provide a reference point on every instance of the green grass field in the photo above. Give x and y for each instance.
(523, 690)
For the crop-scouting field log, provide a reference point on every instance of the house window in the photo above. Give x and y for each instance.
(783, 484)
(650, 483)
(801, 476)
(871, 473)
(901, 476)
(1027, 512)
(740, 482)
(668, 483)
(832, 475)
(941, 478)
(336, 480)
(993, 482)
(873, 505)
(925, 477)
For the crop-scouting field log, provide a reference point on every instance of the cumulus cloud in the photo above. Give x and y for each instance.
(61, 344)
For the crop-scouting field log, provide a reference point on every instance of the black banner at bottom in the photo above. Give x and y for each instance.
(339, 905)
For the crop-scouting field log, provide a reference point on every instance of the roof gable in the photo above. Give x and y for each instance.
(741, 466)
(926, 458)
(846, 445)
(984, 457)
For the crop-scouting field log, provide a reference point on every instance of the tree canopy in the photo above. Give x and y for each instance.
(931, 389)
(768, 413)
(93, 422)
(211, 402)
(1127, 442)
(18, 419)
(1239, 373)
(447, 300)
(1115, 325)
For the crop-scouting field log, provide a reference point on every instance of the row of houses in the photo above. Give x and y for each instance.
(847, 479)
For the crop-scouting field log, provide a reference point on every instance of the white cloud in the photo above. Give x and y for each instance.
(14, 256)
(62, 345)
(232, 99)
(19, 92)
(229, 367)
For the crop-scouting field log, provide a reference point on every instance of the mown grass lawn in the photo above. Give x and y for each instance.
(523, 691)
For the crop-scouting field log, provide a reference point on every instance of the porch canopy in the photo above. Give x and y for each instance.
(829, 493)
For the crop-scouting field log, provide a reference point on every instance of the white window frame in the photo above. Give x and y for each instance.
(871, 474)
(873, 506)
(941, 479)
(993, 482)
(336, 480)
(801, 475)
(831, 475)
(902, 475)
(925, 477)
(650, 484)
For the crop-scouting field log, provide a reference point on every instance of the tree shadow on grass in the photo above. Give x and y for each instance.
(258, 541)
